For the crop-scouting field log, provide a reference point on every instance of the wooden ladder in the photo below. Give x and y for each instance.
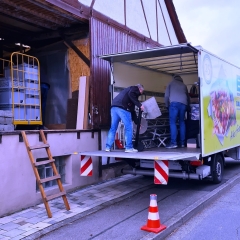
(40, 181)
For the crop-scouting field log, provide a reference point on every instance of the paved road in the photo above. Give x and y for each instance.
(177, 203)
(220, 220)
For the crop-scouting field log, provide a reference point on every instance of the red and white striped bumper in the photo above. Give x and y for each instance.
(161, 172)
(86, 166)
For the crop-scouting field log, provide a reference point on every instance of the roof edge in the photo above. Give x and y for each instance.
(175, 21)
(80, 10)
(87, 13)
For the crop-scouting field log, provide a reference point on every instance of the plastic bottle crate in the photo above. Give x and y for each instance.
(32, 113)
(32, 91)
(7, 83)
(32, 99)
(32, 84)
(30, 71)
(23, 71)
(6, 96)
(19, 111)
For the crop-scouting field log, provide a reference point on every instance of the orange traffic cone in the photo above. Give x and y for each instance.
(153, 222)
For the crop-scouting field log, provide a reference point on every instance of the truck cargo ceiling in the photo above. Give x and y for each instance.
(179, 59)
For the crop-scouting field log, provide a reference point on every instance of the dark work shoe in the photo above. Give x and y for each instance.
(171, 146)
(182, 146)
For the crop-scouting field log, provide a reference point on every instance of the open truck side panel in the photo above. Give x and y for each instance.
(218, 84)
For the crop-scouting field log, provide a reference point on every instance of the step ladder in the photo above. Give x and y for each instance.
(40, 181)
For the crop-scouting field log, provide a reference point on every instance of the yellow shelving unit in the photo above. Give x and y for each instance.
(26, 95)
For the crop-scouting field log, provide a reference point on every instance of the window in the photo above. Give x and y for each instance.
(46, 171)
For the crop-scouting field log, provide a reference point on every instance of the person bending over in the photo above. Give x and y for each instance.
(123, 108)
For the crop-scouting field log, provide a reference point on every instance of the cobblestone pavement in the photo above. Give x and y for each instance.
(23, 224)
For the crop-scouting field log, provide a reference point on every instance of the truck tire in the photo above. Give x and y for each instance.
(217, 168)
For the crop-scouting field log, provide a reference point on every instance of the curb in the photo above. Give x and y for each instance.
(185, 215)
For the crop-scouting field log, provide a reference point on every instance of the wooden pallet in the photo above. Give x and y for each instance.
(40, 181)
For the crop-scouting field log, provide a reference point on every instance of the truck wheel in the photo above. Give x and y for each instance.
(217, 168)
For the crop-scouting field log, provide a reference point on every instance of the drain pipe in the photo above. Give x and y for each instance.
(182, 175)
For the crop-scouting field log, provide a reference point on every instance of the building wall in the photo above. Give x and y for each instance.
(18, 183)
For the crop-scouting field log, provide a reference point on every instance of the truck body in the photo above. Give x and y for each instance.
(216, 120)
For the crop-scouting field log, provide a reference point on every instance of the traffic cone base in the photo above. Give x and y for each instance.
(153, 222)
(155, 230)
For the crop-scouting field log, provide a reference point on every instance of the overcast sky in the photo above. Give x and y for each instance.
(213, 24)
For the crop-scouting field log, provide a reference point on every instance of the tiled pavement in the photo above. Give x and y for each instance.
(28, 222)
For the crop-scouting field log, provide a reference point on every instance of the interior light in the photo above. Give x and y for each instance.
(19, 44)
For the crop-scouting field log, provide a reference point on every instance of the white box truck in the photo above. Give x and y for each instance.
(217, 103)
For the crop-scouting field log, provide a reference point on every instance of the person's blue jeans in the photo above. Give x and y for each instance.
(118, 114)
(177, 110)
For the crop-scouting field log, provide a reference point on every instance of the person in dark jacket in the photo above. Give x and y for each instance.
(123, 108)
(177, 100)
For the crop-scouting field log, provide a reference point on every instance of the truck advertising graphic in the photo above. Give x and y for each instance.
(220, 89)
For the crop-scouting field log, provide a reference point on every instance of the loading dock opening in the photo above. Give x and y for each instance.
(49, 33)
